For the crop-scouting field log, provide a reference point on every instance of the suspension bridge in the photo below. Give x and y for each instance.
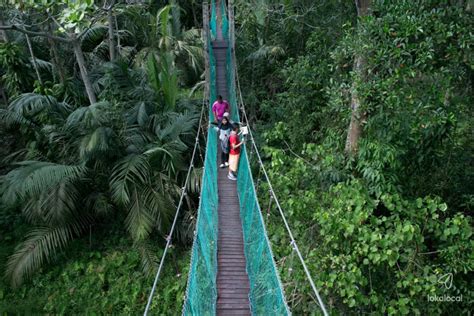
(232, 269)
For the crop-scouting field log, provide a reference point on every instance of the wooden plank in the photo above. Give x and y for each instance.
(242, 278)
(233, 291)
(234, 295)
(230, 253)
(231, 273)
(232, 286)
(233, 306)
(224, 260)
(233, 300)
(233, 246)
(236, 268)
(232, 312)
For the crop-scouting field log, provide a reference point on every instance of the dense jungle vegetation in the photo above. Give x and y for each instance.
(363, 113)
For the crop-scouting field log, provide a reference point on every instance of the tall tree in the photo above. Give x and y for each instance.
(358, 116)
(73, 18)
(111, 24)
(33, 59)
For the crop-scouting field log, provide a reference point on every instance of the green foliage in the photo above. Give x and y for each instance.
(121, 159)
(16, 73)
(380, 230)
(99, 281)
(382, 255)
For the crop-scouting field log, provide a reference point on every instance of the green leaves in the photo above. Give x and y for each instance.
(41, 245)
(88, 116)
(131, 171)
(107, 279)
(146, 202)
(164, 78)
(119, 161)
(32, 178)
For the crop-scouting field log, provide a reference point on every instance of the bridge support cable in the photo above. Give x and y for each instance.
(272, 192)
(181, 199)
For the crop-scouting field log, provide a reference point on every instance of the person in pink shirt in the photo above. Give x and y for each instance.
(219, 108)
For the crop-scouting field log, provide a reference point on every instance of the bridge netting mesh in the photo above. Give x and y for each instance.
(266, 292)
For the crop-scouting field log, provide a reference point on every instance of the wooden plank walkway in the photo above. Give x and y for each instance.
(232, 281)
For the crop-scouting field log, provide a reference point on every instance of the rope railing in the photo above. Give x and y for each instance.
(183, 193)
(272, 192)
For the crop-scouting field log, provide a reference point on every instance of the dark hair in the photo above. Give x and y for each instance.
(219, 97)
(235, 126)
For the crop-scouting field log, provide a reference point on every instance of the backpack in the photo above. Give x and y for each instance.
(225, 143)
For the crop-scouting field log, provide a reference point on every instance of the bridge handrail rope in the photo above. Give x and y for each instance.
(183, 193)
(272, 192)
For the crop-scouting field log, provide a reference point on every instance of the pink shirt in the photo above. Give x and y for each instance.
(220, 108)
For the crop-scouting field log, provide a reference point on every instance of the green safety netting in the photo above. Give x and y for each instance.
(266, 292)
(201, 292)
(213, 22)
(225, 21)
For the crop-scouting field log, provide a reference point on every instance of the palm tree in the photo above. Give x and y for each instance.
(121, 158)
(161, 35)
(124, 159)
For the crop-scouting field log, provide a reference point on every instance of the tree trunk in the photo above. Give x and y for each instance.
(57, 64)
(3, 96)
(358, 117)
(193, 10)
(110, 20)
(118, 37)
(33, 59)
(82, 68)
(4, 39)
(3, 33)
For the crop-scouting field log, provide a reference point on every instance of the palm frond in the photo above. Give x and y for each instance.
(148, 256)
(265, 52)
(191, 35)
(89, 116)
(139, 114)
(56, 206)
(195, 180)
(193, 54)
(148, 209)
(139, 221)
(178, 124)
(11, 119)
(100, 143)
(129, 172)
(153, 73)
(41, 246)
(15, 156)
(136, 20)
(162, 19)
(199, 85)
(168, 79)
(99, 203)
(32, 178)
(136, 139)
(29, 104)
(43, 64)
(167, 157)
(175, 18)
(93, 37)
